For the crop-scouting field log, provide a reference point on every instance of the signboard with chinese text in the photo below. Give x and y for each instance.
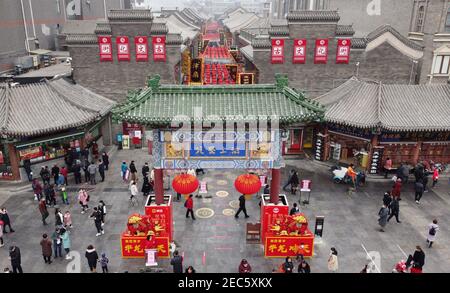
(134, 246)
(277, 51)
(105, 47)
(299, 55)
(321, 51)
(343, 51)
(159, 48)
(283, 246)
(270, 215)
(141, 44)
(196, 71)
(31, 153)
(163, 216)
(123, 48)
(246, 78)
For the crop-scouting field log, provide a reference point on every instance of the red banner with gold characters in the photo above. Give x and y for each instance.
(162, 215)
(321, 52)
(141, 44)
(134, 246)
(277, 51)
(31, 153)
(270, 215)
(283, 246)
(105, 47)
(299, 55)
(159, 48)
(343, 51)
(123, 48)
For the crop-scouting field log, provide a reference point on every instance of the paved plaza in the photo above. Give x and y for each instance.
(217, 244)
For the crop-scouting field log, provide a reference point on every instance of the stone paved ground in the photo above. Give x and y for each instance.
(218, 244)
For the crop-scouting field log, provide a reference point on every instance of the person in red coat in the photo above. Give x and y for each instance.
(64, 172)
(245, 267)
(150, 242)
(396, 190)
(189, 205)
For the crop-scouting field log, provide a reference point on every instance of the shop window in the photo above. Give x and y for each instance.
(441, 64)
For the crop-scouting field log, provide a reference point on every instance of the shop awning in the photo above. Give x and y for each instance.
(52, 139)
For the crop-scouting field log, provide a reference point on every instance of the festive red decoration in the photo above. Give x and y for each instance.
(247, 184)
(185, 183)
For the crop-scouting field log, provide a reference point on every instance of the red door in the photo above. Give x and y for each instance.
(296, 136)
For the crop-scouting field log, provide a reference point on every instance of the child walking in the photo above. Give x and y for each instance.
(64, 196)
(104, 262)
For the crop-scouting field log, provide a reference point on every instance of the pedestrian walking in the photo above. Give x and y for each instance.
(241, 207)
(435, 177)
(333, 264)
(65, 237)
(294, 182)
(124, 171)
(133, 190)
(64, 195)
(65, 172)
(1, 234)
(102, 209)
(57, 242)
(4, 216)
(418, 187)
(387, 167)
(146, 187)
(43, 210)
(133, 171)
(37, 189)
(105, 159)
(92, 258)
(425, 181)
(52, 195)
(97, 216)
(85, 167)
(189, 205)
(83, 199)
(145, 169)
(190, 270)
(45, 175)
(92, 169)
(244, 267)
(383, 215)
(77, 172)
(16, 259)
(104, 263)
(67, 220)
(60, 182)
(27, 167)
(433, 228)
(394, 208)
(55, 174)
(46, 246)
(397, 188)
(387, 199)
(289, 180)
(177, 263)
(59, 218)
(295, 209)
(101, 170)
(288, 266)
(416, 261)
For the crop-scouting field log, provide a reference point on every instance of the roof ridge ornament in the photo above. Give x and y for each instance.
(281, 80)
(153, 82)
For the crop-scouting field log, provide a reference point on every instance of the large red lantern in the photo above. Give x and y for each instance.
(185, 183)
(247, 184)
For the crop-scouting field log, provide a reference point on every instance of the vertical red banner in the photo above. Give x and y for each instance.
(321, 52)
(123, 48)
(105, 46)
(277, 51)
(141, 45)
(159, 48)
(343, 51)
(299, 55)
(163, 216)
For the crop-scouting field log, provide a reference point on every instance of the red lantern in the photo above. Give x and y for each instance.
(185, 183)
(247, 184)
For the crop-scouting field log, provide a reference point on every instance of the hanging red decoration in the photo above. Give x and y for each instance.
(185, 183)
(247, 184)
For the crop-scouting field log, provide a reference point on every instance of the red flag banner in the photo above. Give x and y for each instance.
(159, 48)
(277, 51)
(105, 46)
(141, 44)
(299, 55)
(123, 48)
(343, 51)
(321, 52)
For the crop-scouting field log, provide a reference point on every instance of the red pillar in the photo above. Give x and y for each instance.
(159, 187)
(326, 144)
(275, 186)
(14, 161)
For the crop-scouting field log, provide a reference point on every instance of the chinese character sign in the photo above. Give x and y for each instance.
(321, 52)
(159, 48)
(277, 51)
(299, 55)
(141, 44)
(105, 47)
(343, 51)
(289, 246)
(134, 246)
(123, 49)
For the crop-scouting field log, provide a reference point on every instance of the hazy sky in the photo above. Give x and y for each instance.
(157, 4)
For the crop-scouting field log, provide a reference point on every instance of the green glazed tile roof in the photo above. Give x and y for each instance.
(160, 104)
